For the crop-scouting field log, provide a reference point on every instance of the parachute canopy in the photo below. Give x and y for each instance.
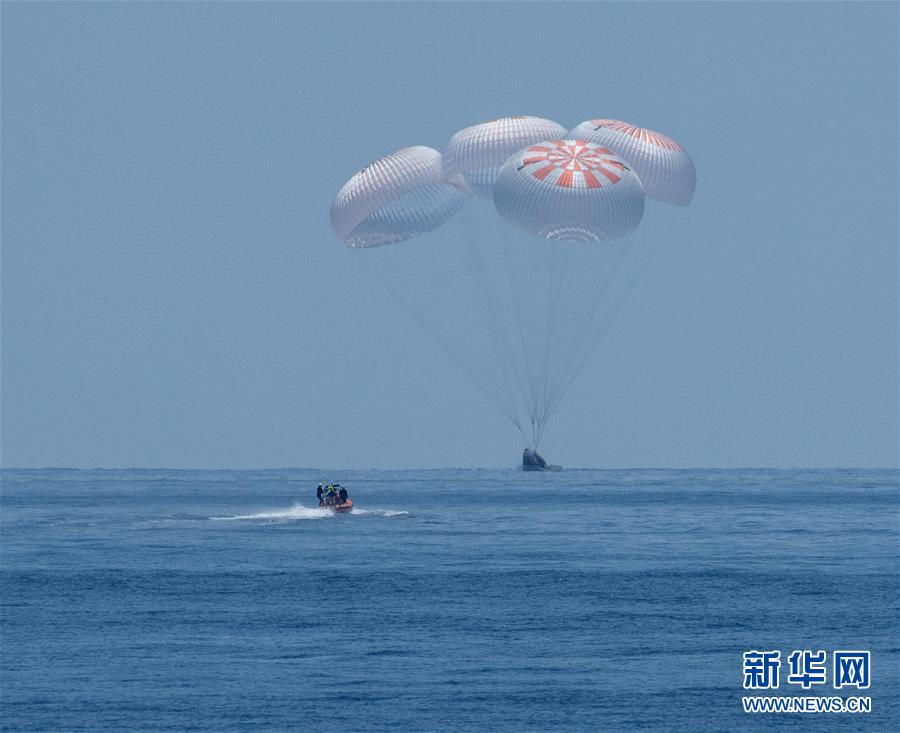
(478, 152)
(394, 198)
(569, 189)
(664, 167)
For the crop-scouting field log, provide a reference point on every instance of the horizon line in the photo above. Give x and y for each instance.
(449, 468)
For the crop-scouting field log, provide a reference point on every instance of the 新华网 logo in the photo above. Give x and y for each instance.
(808, 669)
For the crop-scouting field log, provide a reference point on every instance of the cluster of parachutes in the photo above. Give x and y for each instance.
(587, 184)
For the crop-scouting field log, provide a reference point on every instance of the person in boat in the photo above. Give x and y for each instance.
(328, 496)
(319, 492)
(342, 496)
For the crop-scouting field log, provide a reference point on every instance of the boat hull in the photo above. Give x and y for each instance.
(344, 508)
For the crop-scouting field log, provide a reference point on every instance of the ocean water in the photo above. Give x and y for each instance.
(451, 600)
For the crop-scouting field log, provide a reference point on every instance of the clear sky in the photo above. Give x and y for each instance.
(172, 293)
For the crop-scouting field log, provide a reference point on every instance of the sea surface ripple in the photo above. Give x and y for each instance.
(449, 600)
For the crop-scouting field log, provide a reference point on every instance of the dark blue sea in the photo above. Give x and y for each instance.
(449, 600)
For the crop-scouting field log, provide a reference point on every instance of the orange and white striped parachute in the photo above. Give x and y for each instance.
(663, 165)
(569, 190)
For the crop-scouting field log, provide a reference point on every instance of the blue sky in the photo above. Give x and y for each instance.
(172, 293)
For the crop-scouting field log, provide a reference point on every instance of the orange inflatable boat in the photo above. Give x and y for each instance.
(344, 508)
(338, 508)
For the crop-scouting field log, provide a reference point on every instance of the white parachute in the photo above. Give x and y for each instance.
(396, 197)
(478, 152)
(520, 314)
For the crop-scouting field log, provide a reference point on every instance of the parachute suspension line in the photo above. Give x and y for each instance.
(547, 268)
(501, 351)
(505, 352)
(559, 270)
(538, 358)
(528, 396)
(549, 272)
(510, 415)
(583, 331)
(543, 265)
(630, 287)
(555, 272)
(502, 358)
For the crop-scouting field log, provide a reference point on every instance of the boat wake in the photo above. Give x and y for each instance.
(298, 512)
(389, 513)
